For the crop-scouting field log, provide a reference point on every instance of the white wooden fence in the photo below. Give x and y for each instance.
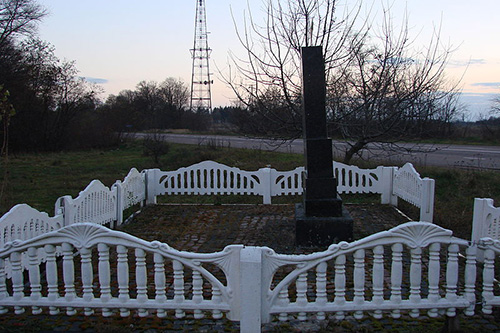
(414, 268)
(208, 178)
(24, 222)
(408, 186)
(102, 205)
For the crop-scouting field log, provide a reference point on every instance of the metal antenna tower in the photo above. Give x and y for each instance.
(201, 95)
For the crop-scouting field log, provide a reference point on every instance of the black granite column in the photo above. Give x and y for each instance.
(321, 219)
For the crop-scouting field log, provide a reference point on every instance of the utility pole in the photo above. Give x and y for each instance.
(201, 82)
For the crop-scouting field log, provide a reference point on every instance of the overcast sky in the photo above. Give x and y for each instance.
(119, 43)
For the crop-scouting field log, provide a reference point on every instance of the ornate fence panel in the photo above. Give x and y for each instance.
(408, 186)
(352, 179)
(410, 268)
(177, 280)
(206, 177)
(96, 204)
(486, 220)
(287, 182)
(23, 222)
(414, 268)
(130, 192)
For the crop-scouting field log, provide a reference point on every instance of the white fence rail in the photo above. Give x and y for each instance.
(414, 268)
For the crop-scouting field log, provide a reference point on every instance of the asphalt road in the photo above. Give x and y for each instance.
(461, 156)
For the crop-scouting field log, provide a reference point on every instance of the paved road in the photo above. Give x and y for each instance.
(462, 156)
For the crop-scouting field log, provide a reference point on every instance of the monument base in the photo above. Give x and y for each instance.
(321, 231)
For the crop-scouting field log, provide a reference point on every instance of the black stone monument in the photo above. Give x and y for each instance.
(321, 219)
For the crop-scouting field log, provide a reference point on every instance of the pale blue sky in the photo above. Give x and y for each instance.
(123, 42)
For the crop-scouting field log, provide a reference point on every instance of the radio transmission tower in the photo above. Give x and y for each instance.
(201, 95)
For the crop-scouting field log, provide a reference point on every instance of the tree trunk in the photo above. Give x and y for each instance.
(354, 149)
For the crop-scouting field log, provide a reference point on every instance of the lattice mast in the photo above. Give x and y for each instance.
(201, 94)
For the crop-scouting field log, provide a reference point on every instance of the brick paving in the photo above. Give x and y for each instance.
(210, 228)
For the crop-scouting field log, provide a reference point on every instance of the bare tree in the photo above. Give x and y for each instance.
(380, 87)
(19, 17)
(495, 109)
(271, 69)
(389, 90)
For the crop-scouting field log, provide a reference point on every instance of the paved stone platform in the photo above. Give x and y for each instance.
(209, 228)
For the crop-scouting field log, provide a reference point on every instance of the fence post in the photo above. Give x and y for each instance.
(478, 223)
(64, 206)
(151, 183)
(427, 203)
(266, 183)
(479, 218)
(119, 202)
(387, 186)
(250, 289)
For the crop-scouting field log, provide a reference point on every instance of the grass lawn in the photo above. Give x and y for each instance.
(39, 179)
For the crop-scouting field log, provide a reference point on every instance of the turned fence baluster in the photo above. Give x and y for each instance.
(51, 272)
(160, 296)
(301, 285)
(470, 279)
(178, 286)
(452, 278)
(197, 293)
(17, 280)
(69, 276)
(104, 276)
(433, 276)
(141, 280)
(396, 277)
(216, 299)
(415, 279)
(378, 278)
(488, 279)
(321, 296)
(359, 280)
(123, 278)
(340, 284)
(87, 277)
(34, 278)
(283, 300)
